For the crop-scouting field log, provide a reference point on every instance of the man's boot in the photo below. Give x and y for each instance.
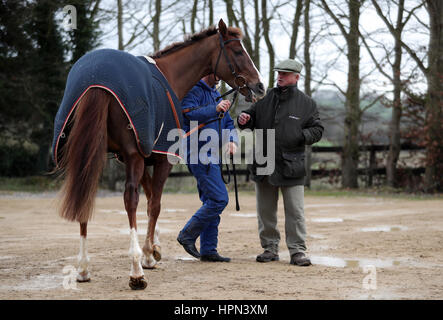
(188, 236)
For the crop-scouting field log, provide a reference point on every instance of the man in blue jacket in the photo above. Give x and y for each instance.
(201, 105)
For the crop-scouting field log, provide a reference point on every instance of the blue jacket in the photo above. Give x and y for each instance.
(202, 102)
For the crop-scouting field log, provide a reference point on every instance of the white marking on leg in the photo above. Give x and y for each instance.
(156, 236)
(135, 254)
(148, 258)
(149, 261)
(83, 261)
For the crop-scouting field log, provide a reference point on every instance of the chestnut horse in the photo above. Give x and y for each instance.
(100, 126)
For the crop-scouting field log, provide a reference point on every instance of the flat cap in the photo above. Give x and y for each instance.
(289, 65)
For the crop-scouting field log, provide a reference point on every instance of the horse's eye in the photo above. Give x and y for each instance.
(238, 53)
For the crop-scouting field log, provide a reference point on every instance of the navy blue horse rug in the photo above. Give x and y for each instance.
(139, 86)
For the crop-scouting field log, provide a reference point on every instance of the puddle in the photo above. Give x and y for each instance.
(165, 221)
(40, 282)
(7, 257)
(316, 236)
(140, 212)
(244, 215)
(344, 262)
(174, 210)
(180, 258)
(145, 221)
(384, 229)
(322, 205)
(121, 211)
(382, 213)
(322, 220)
(352, 262)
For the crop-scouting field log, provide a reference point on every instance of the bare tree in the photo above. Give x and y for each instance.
(353, 115)
(232, 18)
(120, 24)
(156, 25)
(434, 101)
(211, 12)
(251, 38)
(193, 15)
(295, 26)
(307, 83)
(433, 130)
(266, 33)
(396, 30)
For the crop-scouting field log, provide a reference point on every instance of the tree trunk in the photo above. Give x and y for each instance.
(156, 25)
(308, 90)
(434, 101)
(120, 24)
(350, 155)
(266, 30)
(246, 39)
(394, 128)
(211, 12)
(256, 53)
(193, 16)
(232, 19)
(295, 25)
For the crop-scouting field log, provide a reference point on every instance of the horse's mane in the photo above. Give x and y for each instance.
(190, 39)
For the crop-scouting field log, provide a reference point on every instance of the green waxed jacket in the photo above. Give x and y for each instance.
(296, 121)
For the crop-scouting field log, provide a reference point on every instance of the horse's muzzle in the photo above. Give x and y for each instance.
(255, 92)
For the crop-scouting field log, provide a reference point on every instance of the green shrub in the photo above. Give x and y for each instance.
(16, 161)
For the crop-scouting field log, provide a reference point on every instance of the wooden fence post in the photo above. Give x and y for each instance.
(372, 166)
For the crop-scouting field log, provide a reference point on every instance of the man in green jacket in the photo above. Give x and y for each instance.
(295, 119)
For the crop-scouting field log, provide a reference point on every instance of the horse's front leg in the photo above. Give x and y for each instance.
(152, 249)
(148, 260)
(134, 172)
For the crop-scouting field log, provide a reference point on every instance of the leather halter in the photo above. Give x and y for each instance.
(228, 61)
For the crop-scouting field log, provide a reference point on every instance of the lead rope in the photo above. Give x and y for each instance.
(220, 152)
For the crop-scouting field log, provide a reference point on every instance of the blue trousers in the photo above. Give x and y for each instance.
(214, 196)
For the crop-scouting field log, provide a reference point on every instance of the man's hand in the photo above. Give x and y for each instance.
(223, 106)
(243, 118)
(231, 148)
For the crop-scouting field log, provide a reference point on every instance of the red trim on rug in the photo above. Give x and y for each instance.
(169, 153)
(75, 105)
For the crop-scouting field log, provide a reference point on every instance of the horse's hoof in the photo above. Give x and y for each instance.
(83, 277)
(157, 252)
(137, 283)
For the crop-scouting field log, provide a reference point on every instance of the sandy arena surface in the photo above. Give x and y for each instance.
(361, 248)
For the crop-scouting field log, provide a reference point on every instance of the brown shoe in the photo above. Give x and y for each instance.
(267, 256)
(300, 259)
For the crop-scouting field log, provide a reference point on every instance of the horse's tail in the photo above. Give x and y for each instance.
(84, 156)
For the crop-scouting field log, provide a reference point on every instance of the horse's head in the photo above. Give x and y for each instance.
(234, 65)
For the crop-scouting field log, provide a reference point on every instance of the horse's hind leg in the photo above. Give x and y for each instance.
(121, 140)
(83, 259)
(134, 171)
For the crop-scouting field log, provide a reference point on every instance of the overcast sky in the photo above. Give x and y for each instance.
(324, 52)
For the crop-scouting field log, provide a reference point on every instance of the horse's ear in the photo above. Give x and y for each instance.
(222, 28)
